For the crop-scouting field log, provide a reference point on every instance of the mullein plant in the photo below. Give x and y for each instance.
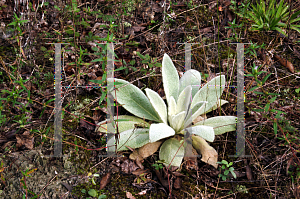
(186, 101)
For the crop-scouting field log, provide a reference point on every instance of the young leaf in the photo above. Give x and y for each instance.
(265, 78)
(170, 78)
(177, 121)
(184, 99)
(158, 104)
(191, 77)
(253, 88)
(172, 107)
(194, 113)
(210, 92)
(160, 131)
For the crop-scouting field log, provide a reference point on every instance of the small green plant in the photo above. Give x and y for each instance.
(226, 168)
(129, 65)
(2, 117)
(141, 178)
(241, 188)
(13, 98)
(260, 83)
(93, 177)
(17, 23)
(93, 193)
(233, 26)
(173, 120)
(23, 182)
(150, 62)
(252, 49)
(158, 165)
(270, 16)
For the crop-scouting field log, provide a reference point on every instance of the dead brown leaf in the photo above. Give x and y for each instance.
(285, 63)
(25, 140)
(249, 173)
(139, 161)
(105, 180)
(138, 28)
(191, 162)
(145, 151)
(140, 171)
(296, 52)
(209, 154)
(128, 166)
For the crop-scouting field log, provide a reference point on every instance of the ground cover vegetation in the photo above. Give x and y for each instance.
(149, 62)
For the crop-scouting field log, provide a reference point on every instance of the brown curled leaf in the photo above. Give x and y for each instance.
(249, 173)
(145, 151)
(105, 180)
(285, 63)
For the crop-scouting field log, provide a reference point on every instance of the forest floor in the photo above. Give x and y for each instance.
(142, 31)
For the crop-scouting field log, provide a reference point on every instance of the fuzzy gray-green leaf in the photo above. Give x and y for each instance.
(160, 131)
(206, 132)
(191, 77)
(221, 124)
(158, 104)
(210, 92)
(171, 151)
(133, 138)
(123, 125)
(134, 100)
(170, 78)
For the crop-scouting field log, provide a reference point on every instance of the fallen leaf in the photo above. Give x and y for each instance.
(285, 63)
(209, 154)
(68, 187)
(249, 173)
(105, 180)
(128, 166)
(139, 161)
(163, 181)
(198, 119)
(140, 171)
(86, 125)
(145, 151)
(25, 140)
(129, 195)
